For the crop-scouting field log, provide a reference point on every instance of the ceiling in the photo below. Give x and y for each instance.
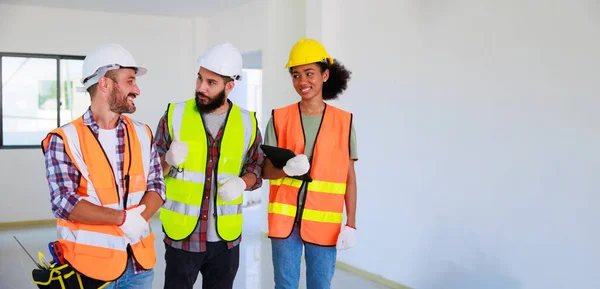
(176, 8)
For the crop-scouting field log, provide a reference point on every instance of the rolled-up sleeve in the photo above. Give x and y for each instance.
(63, 178)
(161, 137)
(254, 161)
(156, 182)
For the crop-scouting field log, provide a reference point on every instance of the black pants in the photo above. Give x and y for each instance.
(218, 266)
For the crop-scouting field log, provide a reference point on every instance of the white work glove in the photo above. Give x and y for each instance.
(297, 166)
(346, 239)
(231, 189)
(135, 225)
(177, 152)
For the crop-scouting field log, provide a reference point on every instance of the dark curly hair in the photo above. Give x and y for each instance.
(337, 81)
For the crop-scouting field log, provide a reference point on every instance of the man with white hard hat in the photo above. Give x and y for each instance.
(211, 155)
(105, 177)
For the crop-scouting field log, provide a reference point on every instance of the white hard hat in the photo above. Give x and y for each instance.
(104, 58)
(223, 59)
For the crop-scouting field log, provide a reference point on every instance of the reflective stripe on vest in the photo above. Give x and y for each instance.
(92, 238)
(322, 211)
(185, 184)
(87, 247)
(308, 214)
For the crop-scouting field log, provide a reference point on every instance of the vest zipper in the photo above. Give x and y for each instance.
(300, 210)
(126, 178)
(216, 170)
(216, 183)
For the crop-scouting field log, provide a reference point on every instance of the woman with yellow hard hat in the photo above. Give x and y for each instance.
(308, 212)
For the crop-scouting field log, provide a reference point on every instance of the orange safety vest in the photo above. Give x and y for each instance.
(100, 251)
(323, 206)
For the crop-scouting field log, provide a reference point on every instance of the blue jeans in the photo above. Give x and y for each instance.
(129, 280)
(320, 263)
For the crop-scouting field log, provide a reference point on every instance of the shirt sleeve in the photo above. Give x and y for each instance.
(156, 182)
(353, 144)
(270, 137)
(162, 138)
(63, 179)
(254, 161)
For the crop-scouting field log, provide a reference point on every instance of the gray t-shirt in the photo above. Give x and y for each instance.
(311, 126)
(213, 123)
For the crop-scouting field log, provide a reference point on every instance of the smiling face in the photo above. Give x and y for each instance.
(308, 80)
(123, 92)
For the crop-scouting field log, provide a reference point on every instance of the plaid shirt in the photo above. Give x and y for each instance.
(63, 176)
(196, 242)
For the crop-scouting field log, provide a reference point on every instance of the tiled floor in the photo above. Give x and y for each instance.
(255, 272)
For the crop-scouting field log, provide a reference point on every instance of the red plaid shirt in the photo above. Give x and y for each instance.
(63, 176)
(196, 242)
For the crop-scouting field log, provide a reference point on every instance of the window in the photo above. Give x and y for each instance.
(38, 93)
(248, 92)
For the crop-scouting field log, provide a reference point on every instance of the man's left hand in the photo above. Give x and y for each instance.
(347, 238)
(231, 189)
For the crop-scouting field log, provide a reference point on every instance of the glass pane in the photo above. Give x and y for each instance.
(73, 103)
(29, 99)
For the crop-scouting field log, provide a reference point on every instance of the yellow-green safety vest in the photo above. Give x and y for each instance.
(185, 184)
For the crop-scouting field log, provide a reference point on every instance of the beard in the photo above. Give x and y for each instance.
(212, 104)
(118, 102)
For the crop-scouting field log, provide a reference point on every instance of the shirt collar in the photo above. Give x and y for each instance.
(88, 118)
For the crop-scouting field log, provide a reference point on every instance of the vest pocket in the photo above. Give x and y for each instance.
(229, 166)
(137, 189)
(137, 183)
(148, 241)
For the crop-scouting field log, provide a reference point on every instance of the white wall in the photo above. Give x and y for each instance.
(483, 177)
(243, 26)
(164, 45)
(485, 173)
(393, 208)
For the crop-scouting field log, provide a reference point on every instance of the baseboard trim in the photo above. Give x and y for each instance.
(362, 273)
(32, 223)
(370, 276)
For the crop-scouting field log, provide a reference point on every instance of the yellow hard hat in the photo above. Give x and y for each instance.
(307, 51)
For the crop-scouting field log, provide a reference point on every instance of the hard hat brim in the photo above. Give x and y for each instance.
(139, 70)
(291, 64)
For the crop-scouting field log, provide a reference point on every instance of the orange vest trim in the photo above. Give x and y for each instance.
(322, 212)
(89, 247)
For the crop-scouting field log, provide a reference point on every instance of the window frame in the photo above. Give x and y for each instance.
(58, 58)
